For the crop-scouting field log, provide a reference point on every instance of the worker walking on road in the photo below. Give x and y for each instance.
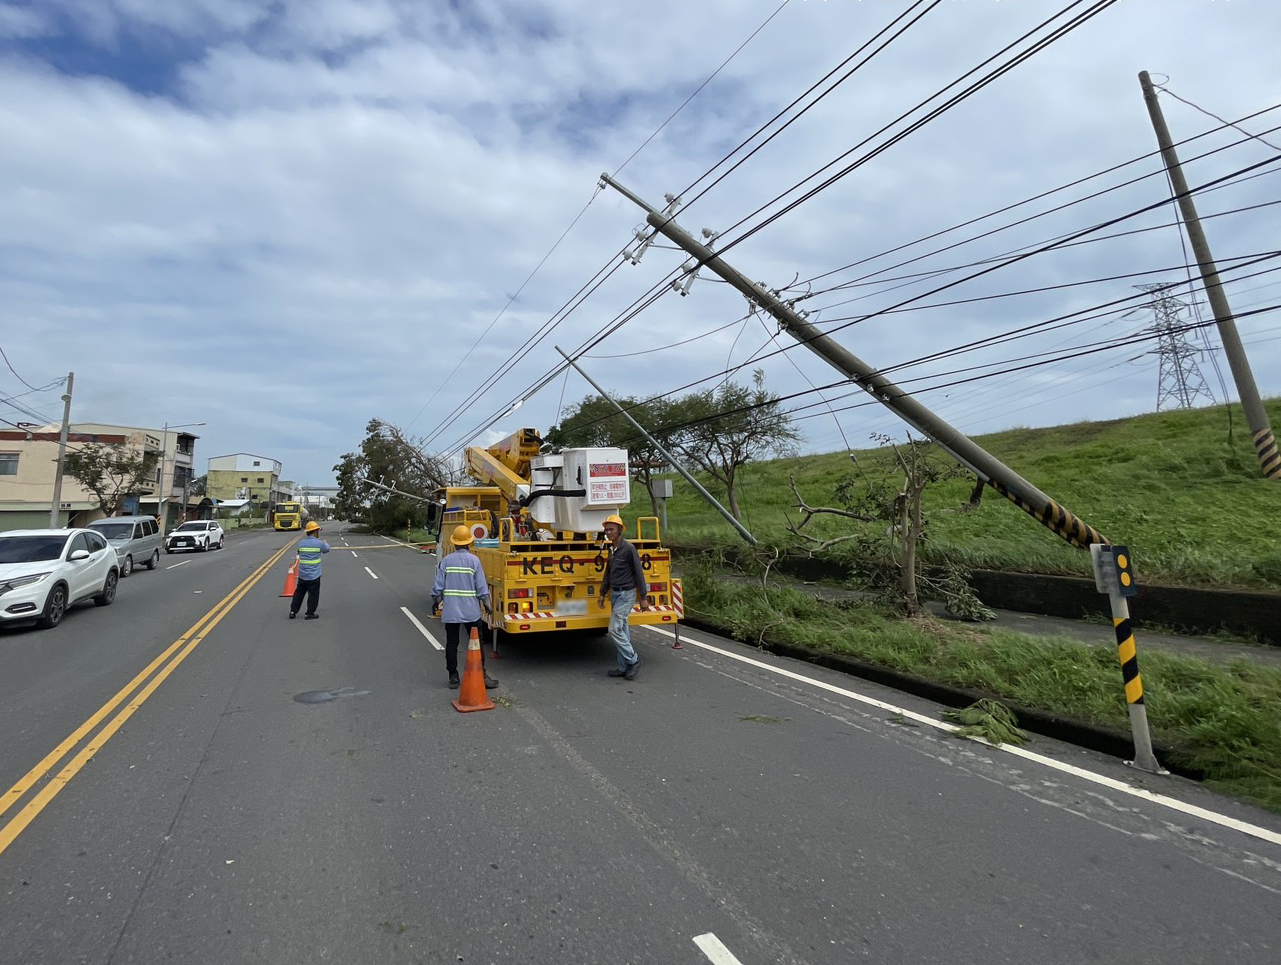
(461, 587)
(310, 549)
(624, 578)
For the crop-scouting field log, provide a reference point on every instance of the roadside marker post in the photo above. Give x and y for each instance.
(1114, 575)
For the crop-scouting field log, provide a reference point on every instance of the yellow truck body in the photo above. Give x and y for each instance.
(545, 580)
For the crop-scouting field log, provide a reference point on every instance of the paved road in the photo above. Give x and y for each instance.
(793, 814)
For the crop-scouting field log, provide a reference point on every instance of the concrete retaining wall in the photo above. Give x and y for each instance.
(1186, 609)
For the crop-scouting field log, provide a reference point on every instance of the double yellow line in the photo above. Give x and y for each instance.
(181, 647)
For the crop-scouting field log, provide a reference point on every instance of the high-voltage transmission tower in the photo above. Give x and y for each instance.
(1179, 379)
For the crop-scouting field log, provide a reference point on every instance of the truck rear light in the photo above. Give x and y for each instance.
(657, 587)
(521, 594)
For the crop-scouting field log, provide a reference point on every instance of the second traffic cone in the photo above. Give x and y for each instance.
(291, 578)
(472, 694)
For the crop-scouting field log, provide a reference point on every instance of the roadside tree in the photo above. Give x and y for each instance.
(389, 456)
(721, 430)
(112, 472)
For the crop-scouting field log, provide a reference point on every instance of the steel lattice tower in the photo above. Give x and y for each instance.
(1179, 378)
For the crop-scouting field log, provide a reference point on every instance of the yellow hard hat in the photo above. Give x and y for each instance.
(313, 527)
(616, 519)
(462, 536)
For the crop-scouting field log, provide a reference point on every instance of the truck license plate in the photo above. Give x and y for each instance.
(571, 608)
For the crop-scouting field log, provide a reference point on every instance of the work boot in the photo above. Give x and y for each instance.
(615, 673)
(312, 616)
(292, 614)
(453, 678)
(490, 682)
(630, 672)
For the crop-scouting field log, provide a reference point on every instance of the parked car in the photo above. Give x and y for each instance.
(45, 571)
(136, 540)
(201, 534)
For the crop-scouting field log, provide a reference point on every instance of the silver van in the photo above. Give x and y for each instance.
(136, 540)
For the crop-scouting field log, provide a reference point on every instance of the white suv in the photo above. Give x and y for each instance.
(202, 535)
(45, 571)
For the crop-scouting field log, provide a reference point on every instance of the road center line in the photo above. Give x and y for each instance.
(371, 572)
(1111, 783)
(715, 950)
(421, 629)
(181, 563)
(184, 645)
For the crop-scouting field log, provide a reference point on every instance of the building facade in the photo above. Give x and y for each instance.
(243, 475)
(29, 466)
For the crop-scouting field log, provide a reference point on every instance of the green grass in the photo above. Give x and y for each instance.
(1190, 502)
(1222, 720)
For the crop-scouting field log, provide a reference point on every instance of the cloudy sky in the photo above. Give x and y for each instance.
(283, 218)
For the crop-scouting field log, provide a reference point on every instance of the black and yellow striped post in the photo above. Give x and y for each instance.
(1114, 575)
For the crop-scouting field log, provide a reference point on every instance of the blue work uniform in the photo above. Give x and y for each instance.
(460, 590)
(310, 550)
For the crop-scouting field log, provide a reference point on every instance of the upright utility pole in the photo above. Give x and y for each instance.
(1265, 444)
(991, 470)
(62, 452)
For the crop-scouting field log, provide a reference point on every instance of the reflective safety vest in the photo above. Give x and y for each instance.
(460, 583)
(310, 550)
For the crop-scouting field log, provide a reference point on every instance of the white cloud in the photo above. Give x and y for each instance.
(331, 201)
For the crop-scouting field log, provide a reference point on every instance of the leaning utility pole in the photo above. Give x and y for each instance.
(991, 470)
(62, 452)
(1002, 478)
(1265, 444)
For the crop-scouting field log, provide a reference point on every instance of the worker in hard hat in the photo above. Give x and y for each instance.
(460, 591)
(310, 549)
(623, 580)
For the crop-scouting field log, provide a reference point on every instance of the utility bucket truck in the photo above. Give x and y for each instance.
(537, 521)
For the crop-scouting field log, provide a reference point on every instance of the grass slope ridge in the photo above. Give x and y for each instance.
(1182, 489)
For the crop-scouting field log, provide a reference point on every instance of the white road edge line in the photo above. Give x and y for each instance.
(176, 565)
(371, 572)
(1175, 805)
(715, 950)
(421, 629)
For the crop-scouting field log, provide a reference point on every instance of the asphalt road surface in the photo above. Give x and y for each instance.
(168, 797)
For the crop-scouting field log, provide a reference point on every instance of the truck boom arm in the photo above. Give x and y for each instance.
(505, 464)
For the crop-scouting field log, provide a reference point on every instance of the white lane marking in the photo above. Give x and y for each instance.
(176, 565)
(371, 572)
(1111, 783)
(421, 629)
(715, 951)
(352, 552)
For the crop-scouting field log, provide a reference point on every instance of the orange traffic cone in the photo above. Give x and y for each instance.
(291, 578)
(472, 695)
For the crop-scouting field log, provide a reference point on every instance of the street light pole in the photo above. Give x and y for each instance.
(160, 506)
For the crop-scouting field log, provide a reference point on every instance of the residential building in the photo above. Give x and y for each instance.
(243, 475)
(28, 467)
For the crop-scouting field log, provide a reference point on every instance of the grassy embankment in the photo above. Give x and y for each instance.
(1193, 509)
(1192, 506)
